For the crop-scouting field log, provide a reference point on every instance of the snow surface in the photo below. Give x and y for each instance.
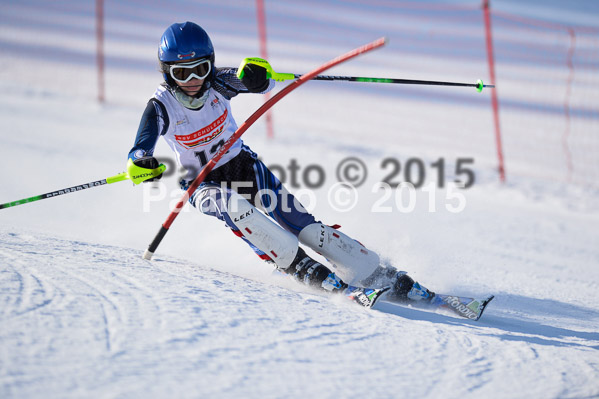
(82, 315)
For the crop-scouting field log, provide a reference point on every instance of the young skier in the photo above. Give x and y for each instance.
(191, 111)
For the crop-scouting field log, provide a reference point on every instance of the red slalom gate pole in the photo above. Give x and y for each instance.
(494, 100)
(242, 129)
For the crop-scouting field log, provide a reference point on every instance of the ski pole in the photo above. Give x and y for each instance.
(109, 180)
(245, 126)
(479, 85)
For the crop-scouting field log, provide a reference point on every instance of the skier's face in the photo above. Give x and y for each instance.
(192, 87)
(190, 75)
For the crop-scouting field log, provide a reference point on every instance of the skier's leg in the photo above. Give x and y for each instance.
(269, 240)
(359, 266)
(353, 262)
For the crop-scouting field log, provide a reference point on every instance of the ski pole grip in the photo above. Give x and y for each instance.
(117, 178)
(256, 61)
(270, 73)
(279, 77)
(154, 244)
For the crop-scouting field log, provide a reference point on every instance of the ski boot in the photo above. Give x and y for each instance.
(313, 273)
(405, 289)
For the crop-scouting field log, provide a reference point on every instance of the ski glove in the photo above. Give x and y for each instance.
(254, 78)
(144, 169)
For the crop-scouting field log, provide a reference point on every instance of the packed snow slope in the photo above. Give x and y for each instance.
(91, 320)
(82, 315)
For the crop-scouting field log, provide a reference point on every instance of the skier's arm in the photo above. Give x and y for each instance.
(153, 124)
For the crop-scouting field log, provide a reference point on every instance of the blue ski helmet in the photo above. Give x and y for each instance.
(184, 41)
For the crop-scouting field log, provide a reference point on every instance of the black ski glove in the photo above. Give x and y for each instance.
(148, 162)
(254, 78)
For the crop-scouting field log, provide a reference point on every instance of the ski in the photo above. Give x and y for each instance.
(366, 297)
(469, 308)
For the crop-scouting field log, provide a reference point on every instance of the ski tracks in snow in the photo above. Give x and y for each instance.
(81, 319)
(65, 306)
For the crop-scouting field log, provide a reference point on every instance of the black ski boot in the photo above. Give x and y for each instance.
(405, 289)
(314, 274)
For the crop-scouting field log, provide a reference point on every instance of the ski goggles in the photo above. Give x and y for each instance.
(183, 73)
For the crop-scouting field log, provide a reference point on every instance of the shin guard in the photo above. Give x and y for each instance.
(280, 245)
(351, 261)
